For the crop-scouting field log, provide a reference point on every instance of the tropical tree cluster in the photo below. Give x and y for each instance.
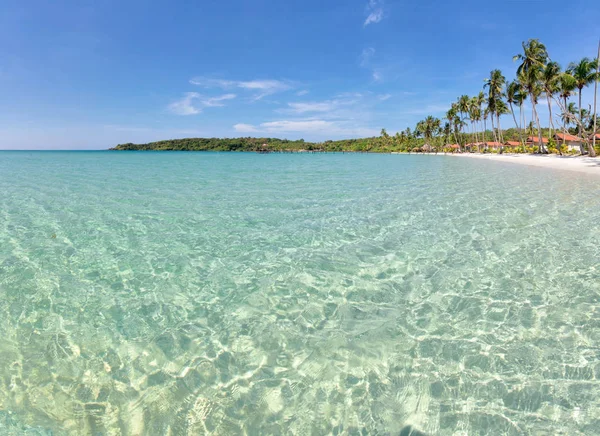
(538, 78)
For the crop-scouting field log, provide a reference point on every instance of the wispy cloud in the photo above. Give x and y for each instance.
(193, 103)
(308, 127)
(302, 92)
(329, 106)
(377, 77)
(261, 87)
(375, 12)
(384, 97)
(366, 55)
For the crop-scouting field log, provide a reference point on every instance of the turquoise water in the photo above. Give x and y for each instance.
(199, 293)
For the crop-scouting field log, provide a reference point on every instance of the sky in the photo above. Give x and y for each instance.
(92, 74)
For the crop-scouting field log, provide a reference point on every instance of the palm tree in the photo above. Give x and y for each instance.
(514, 95)
(447, 131)
(463, 107)
(495, 84)
(501, 109)
(491, 111)
(566, 86)
(451, 116)
(480, 101)
(550, 78)
(429, 127)
(568, 115)
(595, 98)
(584, 74)
(533, 60)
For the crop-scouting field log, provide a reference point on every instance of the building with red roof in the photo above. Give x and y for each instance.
(572, 142)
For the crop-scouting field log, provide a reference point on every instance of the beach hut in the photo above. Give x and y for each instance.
(535, 140)
(493, 144)
(572, 142)
(512, 144)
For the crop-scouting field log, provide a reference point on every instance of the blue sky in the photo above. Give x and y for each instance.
(92, 74)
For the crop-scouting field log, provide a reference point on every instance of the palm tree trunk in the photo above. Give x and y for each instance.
(515, 120)
(564, 125)
(500, 136)
(537, 120)
(493, 129)
(593, 146)
(551, 122)
(580, 121)
(484, 129)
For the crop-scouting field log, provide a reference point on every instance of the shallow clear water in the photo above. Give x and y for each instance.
(193, 293)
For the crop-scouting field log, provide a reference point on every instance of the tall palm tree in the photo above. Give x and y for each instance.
(533, 60)
(550, 78)
(566, 86)
(480, 101)
(594, 133)
(451, 116)
(584, 73)
(485, 114)
(495, 85)
(463, 107)
(501, 109)
(514, 95)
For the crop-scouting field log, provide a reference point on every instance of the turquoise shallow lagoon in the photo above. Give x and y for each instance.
(206, 293)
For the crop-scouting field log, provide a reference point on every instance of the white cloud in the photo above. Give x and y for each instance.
(366, 55)
(322, 106)
(385, 97)
(185, 106)
(245, 128)
(375, 12)
(309, 127)
(377, 76)
(343, 100)
(297, 126)
(262, 87)
(193, 103)
(217, 101)
(302, 92)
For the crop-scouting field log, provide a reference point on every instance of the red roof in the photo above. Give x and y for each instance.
(597, 135)
(512, 143)
(535, 140)
(493, 144)
(566, 137)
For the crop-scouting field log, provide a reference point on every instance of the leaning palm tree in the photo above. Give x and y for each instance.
(533, 60)
(550, 83)
(584, 73)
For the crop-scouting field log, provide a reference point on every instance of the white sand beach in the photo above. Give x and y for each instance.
(580, 164)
